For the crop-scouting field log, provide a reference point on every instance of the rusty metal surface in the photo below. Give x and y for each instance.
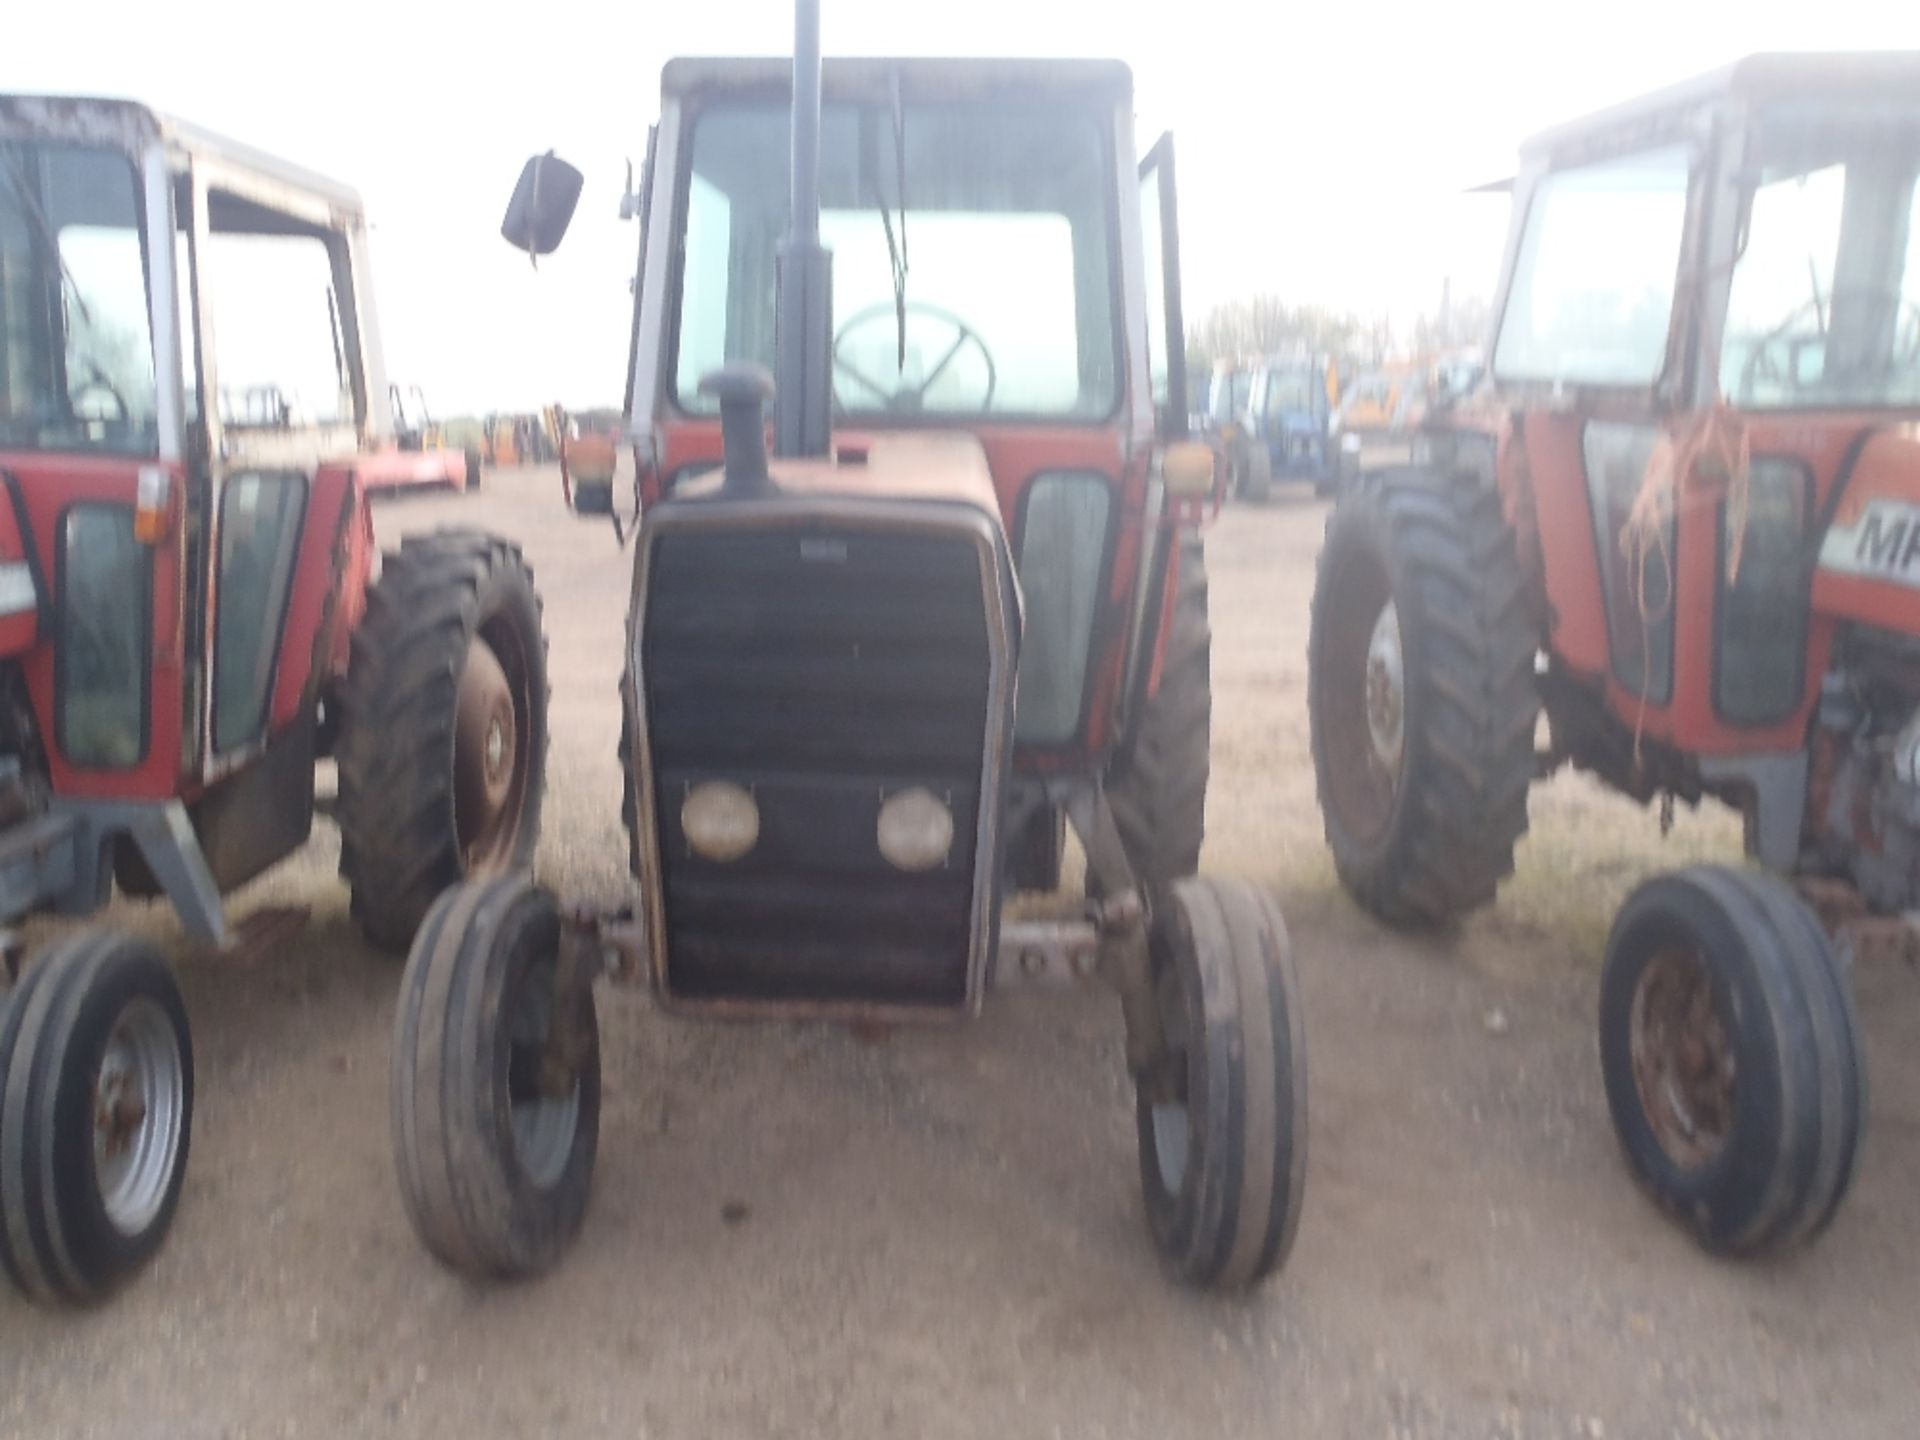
(1059, 953)
(1683, 1059)
(489, 783)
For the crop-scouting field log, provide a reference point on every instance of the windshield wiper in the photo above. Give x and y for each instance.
(897, 249)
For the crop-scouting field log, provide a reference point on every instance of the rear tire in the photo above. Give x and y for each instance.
(443, 744)
(473, 470)
(592, 499)
(1223, 1157)
(1420, 694)
(1732, 1057)
(96, 1111)
(1158, 791)
(494, 1172)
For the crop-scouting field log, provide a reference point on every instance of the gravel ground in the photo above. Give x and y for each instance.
(797, 1230)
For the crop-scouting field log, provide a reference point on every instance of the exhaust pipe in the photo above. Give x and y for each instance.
(803, 313)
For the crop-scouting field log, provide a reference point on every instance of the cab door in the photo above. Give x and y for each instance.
(277, 398)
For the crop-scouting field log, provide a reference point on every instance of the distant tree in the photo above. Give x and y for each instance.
(1264, 324)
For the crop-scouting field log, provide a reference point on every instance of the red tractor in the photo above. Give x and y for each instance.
(189, 624)
(1682, 517)
(980, 486)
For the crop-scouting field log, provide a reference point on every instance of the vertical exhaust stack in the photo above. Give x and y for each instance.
(803, 318)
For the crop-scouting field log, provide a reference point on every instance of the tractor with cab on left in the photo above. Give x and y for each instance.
(193, 411)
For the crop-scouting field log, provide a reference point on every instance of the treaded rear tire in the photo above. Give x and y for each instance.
(1158, 792)
(399, 832)
(1441, 839)
(469, 1188)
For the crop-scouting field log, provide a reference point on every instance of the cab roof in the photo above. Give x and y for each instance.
(133, 126)
(1858, 76)
(936, 79)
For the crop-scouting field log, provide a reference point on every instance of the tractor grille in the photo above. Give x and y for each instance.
(823, 667)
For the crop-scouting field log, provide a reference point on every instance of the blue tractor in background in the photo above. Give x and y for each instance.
(1288, 415)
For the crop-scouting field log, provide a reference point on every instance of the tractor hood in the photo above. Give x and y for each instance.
(947, 467)
(1869, 565)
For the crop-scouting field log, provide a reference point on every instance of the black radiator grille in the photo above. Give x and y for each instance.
(824, 668)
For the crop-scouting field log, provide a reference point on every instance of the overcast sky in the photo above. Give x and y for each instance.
(1323, 149)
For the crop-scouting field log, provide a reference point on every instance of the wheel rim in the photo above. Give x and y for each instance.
(139, 1103)
(1172, 1132)
(1360, 701)
(1682, 1057)
(544, 1125)
(1170, 1117)
(1386, 689)
(490, 748)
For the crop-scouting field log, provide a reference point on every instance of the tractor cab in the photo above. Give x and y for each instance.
(1682, 516)
(1229, 427)
(874, 675)
(1715, 394)
(192, 411)
(1290, 406)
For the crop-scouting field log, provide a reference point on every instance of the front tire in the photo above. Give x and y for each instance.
(1223, 1132)
(1733, 1058)
(96, 1111)
(443, 747)
(1420, 694)
(494, 1153)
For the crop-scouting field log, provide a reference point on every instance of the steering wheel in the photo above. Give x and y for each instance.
(905, 398)
(1763, 363)
(95, 380)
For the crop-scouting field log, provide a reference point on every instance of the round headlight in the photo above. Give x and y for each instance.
(915, 829)
(720, 820)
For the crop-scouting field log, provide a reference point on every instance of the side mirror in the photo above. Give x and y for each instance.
(542, 205)
(1186, 470)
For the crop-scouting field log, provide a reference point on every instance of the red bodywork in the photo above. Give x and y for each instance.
(1015, 454)
(1547, 499)
(326, 599)
(391, 468)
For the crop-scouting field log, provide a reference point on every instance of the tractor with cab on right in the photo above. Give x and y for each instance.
(1681, 517)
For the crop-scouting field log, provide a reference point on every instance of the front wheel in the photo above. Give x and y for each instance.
(495, 1083)
(96, 1108)
(1732, 1057)
(1223, 1120)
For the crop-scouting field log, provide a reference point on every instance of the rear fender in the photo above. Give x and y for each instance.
(329, 592)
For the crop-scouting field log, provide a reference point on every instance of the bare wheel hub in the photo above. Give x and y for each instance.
(486, 758)
(139, 1103)
(1683, 1059)
(1386, 688)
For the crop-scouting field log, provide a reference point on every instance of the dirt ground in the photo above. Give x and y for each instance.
(940, 1233)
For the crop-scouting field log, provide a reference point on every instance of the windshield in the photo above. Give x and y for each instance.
(973, 255)
(1824, 308)
(1289, 391)
(76, 360)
